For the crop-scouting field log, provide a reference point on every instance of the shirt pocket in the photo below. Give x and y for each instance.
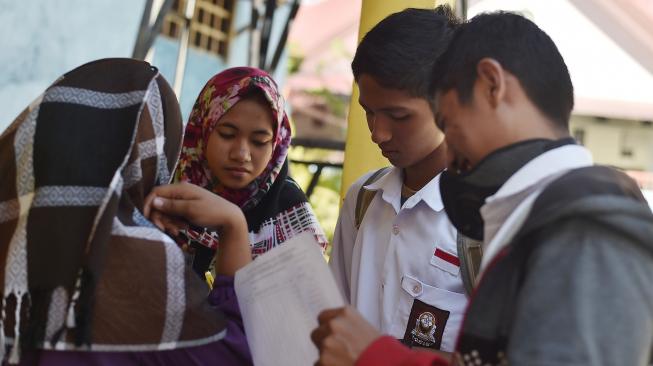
(450, 302)
(443, 272)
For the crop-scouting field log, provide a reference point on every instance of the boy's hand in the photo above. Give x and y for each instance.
(342, 335)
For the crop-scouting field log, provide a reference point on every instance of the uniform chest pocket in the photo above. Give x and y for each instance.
(435, 315)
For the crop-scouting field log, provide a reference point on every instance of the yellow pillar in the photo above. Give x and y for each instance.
(361, 154)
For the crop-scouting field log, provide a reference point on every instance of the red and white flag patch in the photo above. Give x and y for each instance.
(446, 261)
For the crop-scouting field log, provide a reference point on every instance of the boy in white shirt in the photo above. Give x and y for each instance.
(395, 253)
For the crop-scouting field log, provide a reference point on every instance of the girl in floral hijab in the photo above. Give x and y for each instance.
(236, 145)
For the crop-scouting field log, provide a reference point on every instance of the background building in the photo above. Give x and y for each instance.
(608, 48)
(607, 44)
(41, 40)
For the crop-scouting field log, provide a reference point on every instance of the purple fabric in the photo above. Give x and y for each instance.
(231, 350)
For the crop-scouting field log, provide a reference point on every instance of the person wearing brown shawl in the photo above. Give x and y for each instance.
(82, 269)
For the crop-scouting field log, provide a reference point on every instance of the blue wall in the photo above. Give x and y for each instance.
(201, 65)
(40, 40)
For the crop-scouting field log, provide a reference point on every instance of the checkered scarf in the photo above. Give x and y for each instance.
(81, 268)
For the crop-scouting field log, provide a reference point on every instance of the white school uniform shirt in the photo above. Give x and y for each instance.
(391, 261)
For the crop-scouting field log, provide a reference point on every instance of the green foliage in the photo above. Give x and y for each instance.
(326, 196)
(294, 64)
(295, 58)
(338, 104)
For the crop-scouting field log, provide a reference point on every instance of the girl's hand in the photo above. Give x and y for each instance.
(176, 205)
(172, 207)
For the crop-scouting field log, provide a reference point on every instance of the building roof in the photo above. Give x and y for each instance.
(608, 48)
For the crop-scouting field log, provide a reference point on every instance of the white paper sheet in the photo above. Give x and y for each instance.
(280, 295)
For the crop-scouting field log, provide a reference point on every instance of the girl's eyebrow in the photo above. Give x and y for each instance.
(228, 124)
(262, 132)
(256, 132)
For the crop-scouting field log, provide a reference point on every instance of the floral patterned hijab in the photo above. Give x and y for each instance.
(219, 94)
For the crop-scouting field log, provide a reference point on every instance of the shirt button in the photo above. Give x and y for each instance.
(417, 289)
(395, 229)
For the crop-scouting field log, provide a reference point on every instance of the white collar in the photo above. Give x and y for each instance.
(390, 184)
(542, 170)
(551, 162)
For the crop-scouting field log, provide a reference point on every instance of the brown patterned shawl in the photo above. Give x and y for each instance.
(80, 267)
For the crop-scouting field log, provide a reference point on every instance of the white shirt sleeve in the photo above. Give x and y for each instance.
(344, 239)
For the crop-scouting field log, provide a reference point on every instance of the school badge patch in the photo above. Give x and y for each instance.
(425, 326)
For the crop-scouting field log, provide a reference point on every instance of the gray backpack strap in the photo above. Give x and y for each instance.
(365, 197)
(470, 253)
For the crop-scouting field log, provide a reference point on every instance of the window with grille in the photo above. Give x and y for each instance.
(209, 28)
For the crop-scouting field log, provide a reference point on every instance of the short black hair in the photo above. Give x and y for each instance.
(400, 51)
(521, 48)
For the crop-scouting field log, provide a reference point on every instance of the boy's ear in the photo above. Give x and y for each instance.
(491, 80)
